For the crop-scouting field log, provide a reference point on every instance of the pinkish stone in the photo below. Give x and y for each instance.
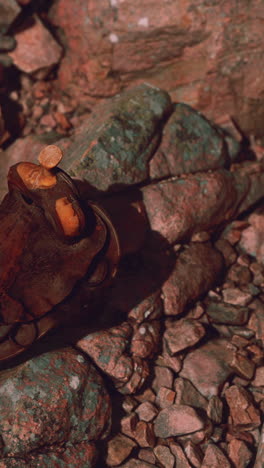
(164, 456)
(215, 409)
(36, 49)
(177, 420)
(135, 463)
(242, 366)
(145, 339)
(237, 297)
(207, 367)
(197, 269)
(252, 239)
(193, 453)
(260, 453)
(182, 334)
(144, 434)
(165, 397)
(163, 378)
(242, 410)
(146, 411)
(148, 309)
(118, 449)
(214, 457)
(181, 460)
(256, 321)
(239, 453)
(259, 377)
(147, 455)
(128, 424)
(186, 394)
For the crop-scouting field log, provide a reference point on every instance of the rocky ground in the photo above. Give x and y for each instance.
(181, 363)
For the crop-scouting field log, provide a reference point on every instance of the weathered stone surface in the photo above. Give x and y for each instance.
(35, 414)
(215, 409)
(36, 48)
(115, 144)
(180, 207)
(237, 297)
(215, 457)
(207, 367)
(147, 455)
(181, 460)
(144, 434)
(189, 144)
(163, 378)
(146, 411)
(164, 456)
(197, 269)
(252, 239)
(9, 10)
(118, 449)
(145, 339)
(259, 377)
(194, 453)
(260, 453)
(107, 348)
(256, 321)
(242, 410)
(186, 394)
(135, 463)
(177, 420)
(149, 308)
(239, 453)
(225, 313)
(182, 334)
(165, 397)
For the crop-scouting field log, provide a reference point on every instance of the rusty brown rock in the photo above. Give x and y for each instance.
(164, 456)
(260, 453)
(144, 434)
(165, 397)
(146, 411)
(259, 377)
(118, 449)
(163, 378)
(252, 237)
(236, 297)
(182, 334)
(243, 413)
(177, 420)
(135, 463)
(215, 457)
(145, 339)
(193, 453)
(186, 394)
(128, 424)
(207, 367)
(239, 453)
(36, 49)
(9, 10)
(181, 460)
(220, 312)
(256, 321)
(215, 409)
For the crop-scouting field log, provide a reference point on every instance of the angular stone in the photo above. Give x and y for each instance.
(198, 267)
(189, 144)
(165, 397)
(237, 297)
(256, 321)
(128, 424)
(118, 449)
(242, 366)
(150, 308)
(224, 313)
(113, 147)
(252, 237)
(182, 334)
(181, 460)
(75, 408)
(193, 453)
(177, 420)
(215, 457)
(36, 48)
(163, 378)
(145, 339)
(9, 10)
(146, 411)
(215, 409)
(135, 463)
(239, 453)
(186, 394)
(242, 410)
(259, 377)
(260, 453)
(144, 434)
(164, 456)
(147, 455)
(207, 367)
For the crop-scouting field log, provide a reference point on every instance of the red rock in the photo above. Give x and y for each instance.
(147, 455)
(146, 395)
(239, 453)
(197, 269)
(242, 410)
(193, 453)
(145, 339)
(181, 460)
(240, 274)
(177, 420)
(228, 252)
(48, 121)
(146, 411)
(173, 362)
(236, 297)
(207, 367)
(252, 237)
(256, 321)
(129, 403)
(220, 312)
(144, 434)
(186, 394)
(260, 453)
(258, 272)
(135, 463)
(165, 397)
(242, 366)
(118, 449)
(163, 378)
(215, 457)
(148, 309)
(128, 424)
(215, 409)
(182, 334)
(36, 49)
(164, 456)
(259, 377)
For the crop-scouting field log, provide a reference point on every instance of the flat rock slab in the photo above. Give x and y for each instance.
(55, 398)
(177, 420)
(119, 138)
